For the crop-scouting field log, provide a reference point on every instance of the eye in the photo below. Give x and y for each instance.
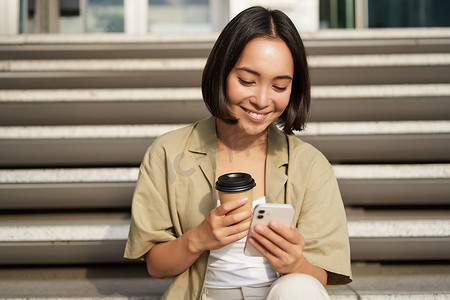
(279, 89)
(244, 82)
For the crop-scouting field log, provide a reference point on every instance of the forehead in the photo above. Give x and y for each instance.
(267, 54)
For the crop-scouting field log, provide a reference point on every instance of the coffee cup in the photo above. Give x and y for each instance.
(232, 186)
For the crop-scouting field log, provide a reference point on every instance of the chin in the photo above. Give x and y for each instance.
(254, 129)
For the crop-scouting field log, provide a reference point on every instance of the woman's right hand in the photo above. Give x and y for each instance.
(219, 229)
(216, 231)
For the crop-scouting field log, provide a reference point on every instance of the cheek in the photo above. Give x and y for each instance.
(235, 92)
(283, 101)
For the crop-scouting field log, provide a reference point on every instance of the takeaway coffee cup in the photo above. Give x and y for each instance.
(232, 186)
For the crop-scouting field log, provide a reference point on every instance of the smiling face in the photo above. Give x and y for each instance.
(259, 85)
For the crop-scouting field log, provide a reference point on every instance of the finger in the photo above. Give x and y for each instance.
(260, 248)
(227, 240)
(225, 208)
(241, 227)
(273, 242)
(233, 233)
(237, 217)
(282, 265)
(291, 234)
(267, 239)
(235, 237)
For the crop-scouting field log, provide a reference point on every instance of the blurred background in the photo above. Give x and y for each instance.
(199, 16)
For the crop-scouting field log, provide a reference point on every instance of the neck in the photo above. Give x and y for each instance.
(229, 136)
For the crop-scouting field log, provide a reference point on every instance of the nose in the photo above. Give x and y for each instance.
(261, 99)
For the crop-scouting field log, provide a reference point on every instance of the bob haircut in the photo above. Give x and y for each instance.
(251, 23)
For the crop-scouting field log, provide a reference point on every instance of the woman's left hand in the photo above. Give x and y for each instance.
(281, 245)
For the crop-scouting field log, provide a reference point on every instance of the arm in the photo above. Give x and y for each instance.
(283, 248)
(216, 231)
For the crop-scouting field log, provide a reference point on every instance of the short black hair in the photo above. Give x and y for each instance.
(251, 23)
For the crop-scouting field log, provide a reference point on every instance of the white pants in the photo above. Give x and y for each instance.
(288, 287)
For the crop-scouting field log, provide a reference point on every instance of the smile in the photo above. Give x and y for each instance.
(255, 116)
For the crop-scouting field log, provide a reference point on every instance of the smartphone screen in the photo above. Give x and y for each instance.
(263, 214)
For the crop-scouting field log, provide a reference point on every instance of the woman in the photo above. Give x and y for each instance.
(256, 77)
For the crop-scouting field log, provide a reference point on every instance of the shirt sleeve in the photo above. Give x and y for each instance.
(323, 224)
(150, 216)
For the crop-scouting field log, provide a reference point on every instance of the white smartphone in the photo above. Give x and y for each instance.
(263, 214)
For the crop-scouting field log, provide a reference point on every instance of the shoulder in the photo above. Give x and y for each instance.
(193, 135)
(308, 164)
(198, 137)
(172, 138)
(166, 145)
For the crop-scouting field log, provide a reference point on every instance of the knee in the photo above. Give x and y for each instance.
(296, 286)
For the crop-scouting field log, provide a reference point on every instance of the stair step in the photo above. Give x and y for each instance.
(67, 188)
(397, 281)
(154, 130)
(380, 102)
(120, 38)
(120, 50)
(372, 185)
(114, 226)
(186, 72)
(119, 281)
(93, 65)
(101, 106)
(390, 235)
(374, 46)
(69, 144)
(343, 172)
(130, 281)
(404, 40)
(177, 64)
(194, 94)
(125, 145)
(185, 105)
(113, 187)
(83, 238)
(380, 142)
(375, 128)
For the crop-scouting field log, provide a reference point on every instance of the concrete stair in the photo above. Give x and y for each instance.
(184, 105)
(78, 112)
(186, 72)
(84, 237)
(387, 141)
(367, 185)
(125, 281)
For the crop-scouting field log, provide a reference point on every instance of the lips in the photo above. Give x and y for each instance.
(256, 116)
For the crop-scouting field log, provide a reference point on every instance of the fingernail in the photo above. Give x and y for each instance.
(259, 229)
(273, 225)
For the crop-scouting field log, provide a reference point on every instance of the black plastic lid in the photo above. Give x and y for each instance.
(235, 183)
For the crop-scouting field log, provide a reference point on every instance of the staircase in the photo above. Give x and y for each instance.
(78, 112)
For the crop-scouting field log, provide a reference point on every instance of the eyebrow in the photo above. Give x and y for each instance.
(257, 74)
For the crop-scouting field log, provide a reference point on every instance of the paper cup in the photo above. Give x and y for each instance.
(232, 186)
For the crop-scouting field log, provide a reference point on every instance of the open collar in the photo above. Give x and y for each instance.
(276, 165)
(204, 143)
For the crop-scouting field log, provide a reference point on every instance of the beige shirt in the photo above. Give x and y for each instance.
(175, 192)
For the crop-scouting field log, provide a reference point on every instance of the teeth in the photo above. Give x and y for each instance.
(255, 115)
